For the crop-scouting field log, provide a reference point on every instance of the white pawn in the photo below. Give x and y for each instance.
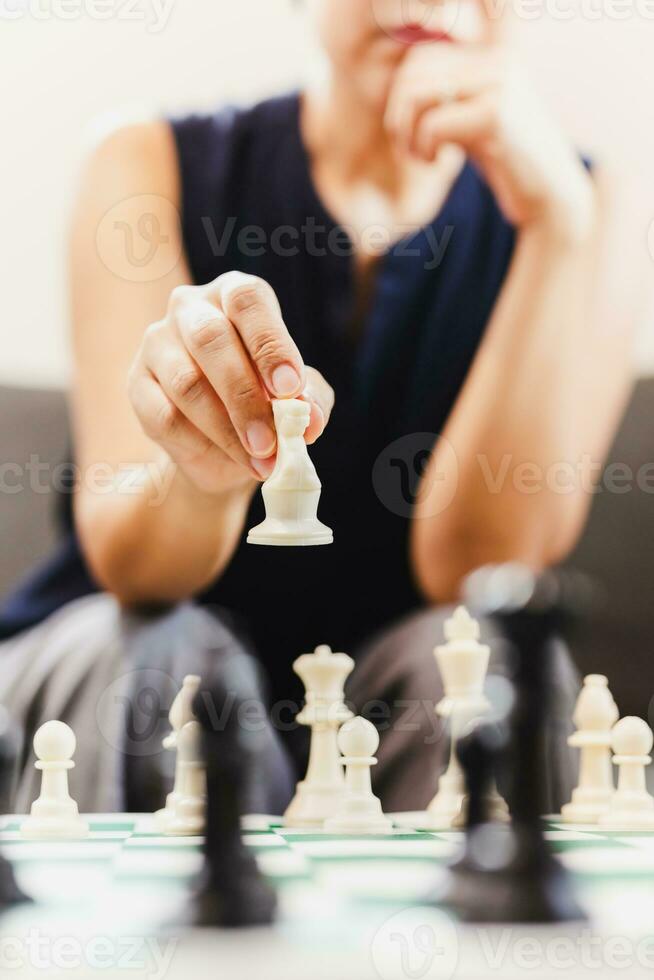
(632, 807)
(463, 664)
(292, 491)
(594, 717)
(180, 714)
(323, 674)
(359, 810)
(54, 815)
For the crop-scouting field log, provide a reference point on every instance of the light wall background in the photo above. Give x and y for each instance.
(63, 76)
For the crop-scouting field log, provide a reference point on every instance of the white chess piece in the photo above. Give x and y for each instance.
(188, 816)
(359, 810)
(323, 674)
(180, 715)
(631, 807)
(292, 491)
(463, 663)
(181, 712)
(595, 715)
(54, 815)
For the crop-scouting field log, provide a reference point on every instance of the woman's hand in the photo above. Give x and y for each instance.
(204, 376)
(476, 96)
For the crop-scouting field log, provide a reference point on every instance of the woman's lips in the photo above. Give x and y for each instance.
(415, 34)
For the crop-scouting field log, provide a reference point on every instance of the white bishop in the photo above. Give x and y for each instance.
(595, 715)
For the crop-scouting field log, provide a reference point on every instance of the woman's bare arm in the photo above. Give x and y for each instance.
(172, 381)
(540, 407)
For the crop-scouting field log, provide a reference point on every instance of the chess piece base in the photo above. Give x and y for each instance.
(359, 815)
(290, 533)
(164, 816)
(586, 810)
(248, 900)
(495, 807)
(313, 804)
(443, 811)
(627, 820)
(449, 808)
(54, 828)
(449, 801)
(531, 887)
(186, 820)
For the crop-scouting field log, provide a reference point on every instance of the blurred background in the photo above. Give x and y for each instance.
(71, 67)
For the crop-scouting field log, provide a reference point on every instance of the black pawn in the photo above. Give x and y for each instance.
(477, 878)
(10, 893)
(511, 873)
(232, 890)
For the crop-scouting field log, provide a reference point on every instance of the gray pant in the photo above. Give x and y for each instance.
(112, 675)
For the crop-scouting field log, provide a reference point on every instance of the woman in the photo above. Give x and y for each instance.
(415, 249)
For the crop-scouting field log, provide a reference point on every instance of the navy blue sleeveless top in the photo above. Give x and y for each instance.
(249, 204)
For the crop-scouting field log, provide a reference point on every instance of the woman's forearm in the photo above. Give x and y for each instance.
(526, 447)
(157, 538)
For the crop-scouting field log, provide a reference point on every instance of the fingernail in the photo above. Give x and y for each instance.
(261, 438)
(285, 380)
(263, 467)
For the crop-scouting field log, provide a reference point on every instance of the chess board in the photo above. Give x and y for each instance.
(115, 904)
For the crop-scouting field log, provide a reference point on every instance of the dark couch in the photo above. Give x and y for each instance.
(617, 548)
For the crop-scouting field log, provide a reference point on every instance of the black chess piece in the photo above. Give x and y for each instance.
(475, 880)
(10, 893)
(509, 874)
(232, 891)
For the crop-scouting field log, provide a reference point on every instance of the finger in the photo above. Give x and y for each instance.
(465, 79)
(216, 348)
(252, 307)
(188, 389)
(162, 421)
(463, 123)
(321, 397)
